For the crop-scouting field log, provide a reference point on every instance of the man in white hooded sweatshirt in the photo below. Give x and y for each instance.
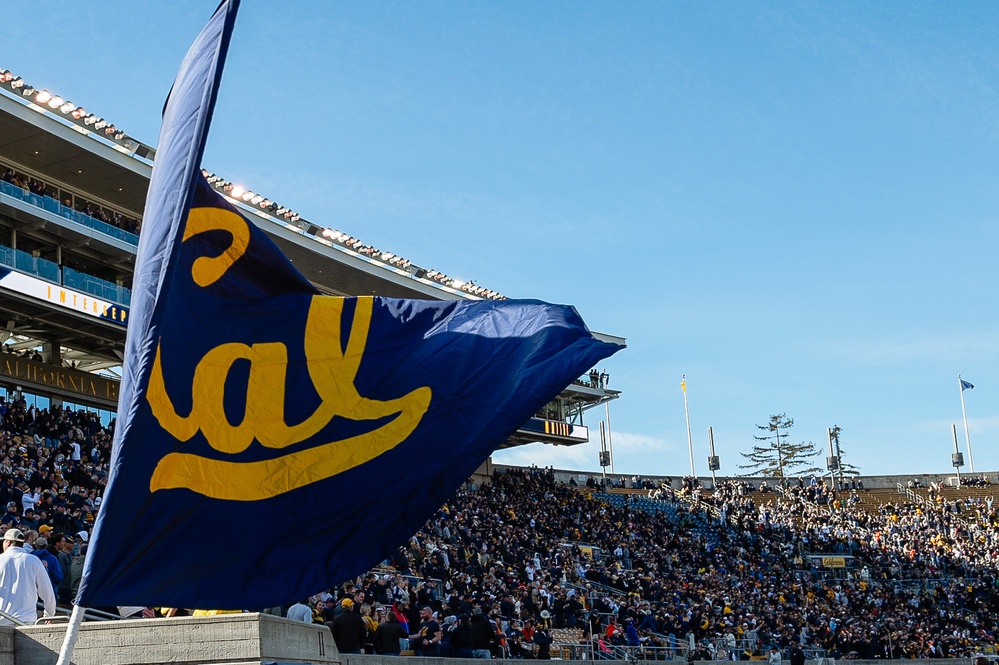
(23, 581)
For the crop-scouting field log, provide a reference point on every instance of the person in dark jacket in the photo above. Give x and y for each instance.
(483, 634)
(797, 655)
(348, 629)
(544, 640)
(461, 638)
(76, 571)
(52, 566)
(388, 635)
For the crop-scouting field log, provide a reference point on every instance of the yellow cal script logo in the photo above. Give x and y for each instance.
(331, 369)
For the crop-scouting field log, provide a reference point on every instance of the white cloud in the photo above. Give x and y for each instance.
(583, 457)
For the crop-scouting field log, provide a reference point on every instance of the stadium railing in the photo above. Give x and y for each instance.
(64, 276)
(96, 286)
(51, 205)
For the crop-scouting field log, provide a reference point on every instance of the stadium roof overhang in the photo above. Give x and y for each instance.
(36, 141)
(63, 154)
(92, 341)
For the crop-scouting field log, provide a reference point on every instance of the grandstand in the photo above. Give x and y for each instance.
(619, 568)
(72, 191)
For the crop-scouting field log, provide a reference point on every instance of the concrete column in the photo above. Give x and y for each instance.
(51, 352)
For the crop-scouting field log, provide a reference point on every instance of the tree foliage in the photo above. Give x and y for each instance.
(845, 469)
(776, 455)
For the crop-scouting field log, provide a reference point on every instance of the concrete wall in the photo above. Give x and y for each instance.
(870, 482)
(7, 634)
(231, 639)
(228, 639)
(351, 659)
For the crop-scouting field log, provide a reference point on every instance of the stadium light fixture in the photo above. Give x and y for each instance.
(28, 91)
(55, 102)
(237, 192)
(247, 195)
(17, 83)
(43, 96)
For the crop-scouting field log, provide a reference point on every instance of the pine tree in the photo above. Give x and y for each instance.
(845, 469)
(776, 455)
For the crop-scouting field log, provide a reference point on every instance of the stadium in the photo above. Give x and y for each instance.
(521, 563)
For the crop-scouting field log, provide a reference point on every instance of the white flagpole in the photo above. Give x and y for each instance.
(967, 432)
(72, 632)
(690, 439)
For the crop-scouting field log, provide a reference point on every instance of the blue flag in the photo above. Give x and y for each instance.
(965, 385)
(271, 441)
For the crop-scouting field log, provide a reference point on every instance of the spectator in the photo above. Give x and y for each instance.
(348, 628)
(426, 641)
(300, 611)
(388, 636)
(49, 560)
(23, 581)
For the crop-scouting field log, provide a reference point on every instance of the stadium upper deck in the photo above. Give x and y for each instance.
(72, 191)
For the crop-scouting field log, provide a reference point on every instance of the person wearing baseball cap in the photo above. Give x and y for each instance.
(348, 628)
(23, 581)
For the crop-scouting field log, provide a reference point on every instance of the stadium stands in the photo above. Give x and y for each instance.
(624, 571)
(614, 571)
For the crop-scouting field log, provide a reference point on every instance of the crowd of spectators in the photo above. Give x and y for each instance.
(506, 568)
(52, 474)
(32, 185)
(529, 551)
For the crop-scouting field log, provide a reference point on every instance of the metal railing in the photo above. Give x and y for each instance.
(909, 494)
(692, 502)
(923, 502)
(811, 508)
(51, 205)
(64, 276)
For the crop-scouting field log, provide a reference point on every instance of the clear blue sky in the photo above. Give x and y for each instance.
(795, 204)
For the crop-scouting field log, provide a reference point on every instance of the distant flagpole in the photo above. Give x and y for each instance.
(690, 439)
(964, 385)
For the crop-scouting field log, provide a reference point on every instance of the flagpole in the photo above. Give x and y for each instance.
(690, 439)
(183, 133)
(72, 632)
(967, 432)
